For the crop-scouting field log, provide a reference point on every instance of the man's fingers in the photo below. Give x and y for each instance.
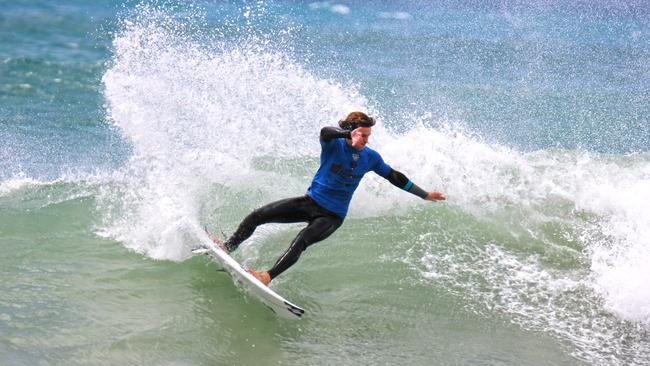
(436, 196)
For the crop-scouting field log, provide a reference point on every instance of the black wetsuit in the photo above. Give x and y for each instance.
(321, 222)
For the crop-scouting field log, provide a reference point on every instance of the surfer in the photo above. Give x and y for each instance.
(344, 160)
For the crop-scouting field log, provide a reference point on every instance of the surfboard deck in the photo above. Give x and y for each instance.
(279, 305)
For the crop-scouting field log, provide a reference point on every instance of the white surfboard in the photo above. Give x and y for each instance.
(270, 298)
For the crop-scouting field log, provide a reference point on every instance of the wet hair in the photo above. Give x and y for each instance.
(356, 120)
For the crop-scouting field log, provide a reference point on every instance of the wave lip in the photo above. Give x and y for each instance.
(14, 184)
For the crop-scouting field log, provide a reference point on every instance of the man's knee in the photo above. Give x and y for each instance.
(319, 230)
(255, 218)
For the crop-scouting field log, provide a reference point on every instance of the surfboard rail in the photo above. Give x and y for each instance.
(278, 304)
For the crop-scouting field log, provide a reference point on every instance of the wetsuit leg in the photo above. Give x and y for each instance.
(318, 229)
(288, 210)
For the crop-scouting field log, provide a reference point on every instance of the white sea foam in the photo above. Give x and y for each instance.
(620, 249)
(319, 5)
(334, 8)
(492, 181)
(598, 202)
(538, 299)
(397, 15)
(23, 182)
(18, 182)
(340, 9)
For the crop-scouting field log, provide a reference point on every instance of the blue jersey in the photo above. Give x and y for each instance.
(341, 169)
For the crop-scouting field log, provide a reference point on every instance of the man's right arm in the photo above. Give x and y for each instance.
(330, 133)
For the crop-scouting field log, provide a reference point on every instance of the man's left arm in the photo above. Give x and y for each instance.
(400, 180)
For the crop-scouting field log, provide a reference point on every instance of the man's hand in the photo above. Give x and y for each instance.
(435, 196)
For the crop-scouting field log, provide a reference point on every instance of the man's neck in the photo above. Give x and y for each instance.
(349, 142)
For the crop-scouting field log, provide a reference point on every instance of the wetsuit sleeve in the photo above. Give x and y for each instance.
(399, 180)
(329, 133)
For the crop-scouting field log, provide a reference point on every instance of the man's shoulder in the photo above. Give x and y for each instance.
(376, 162)
(331, 143)
(373, 154)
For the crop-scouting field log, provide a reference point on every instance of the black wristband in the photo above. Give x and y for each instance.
(401, 181)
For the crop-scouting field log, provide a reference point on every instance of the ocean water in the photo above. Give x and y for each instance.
(124, 126)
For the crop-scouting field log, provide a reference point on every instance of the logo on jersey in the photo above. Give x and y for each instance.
(355, 156)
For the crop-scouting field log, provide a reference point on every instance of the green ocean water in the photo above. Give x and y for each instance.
(124, 126)
(78, 299)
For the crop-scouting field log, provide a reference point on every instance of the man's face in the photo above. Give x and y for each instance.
(360, 137)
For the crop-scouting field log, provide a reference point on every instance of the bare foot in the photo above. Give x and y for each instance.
(217, 240)
(263, 277)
